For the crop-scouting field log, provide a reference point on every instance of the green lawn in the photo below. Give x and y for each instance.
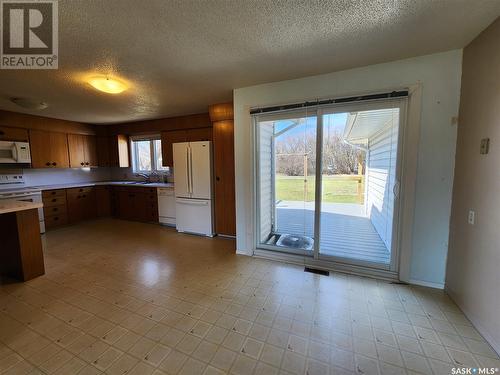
(336, 189)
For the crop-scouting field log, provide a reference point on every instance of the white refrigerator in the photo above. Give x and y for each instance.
(193, 187)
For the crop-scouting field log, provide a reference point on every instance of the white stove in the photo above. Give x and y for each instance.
(12, 188)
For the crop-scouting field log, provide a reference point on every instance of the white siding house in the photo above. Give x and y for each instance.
(266, 177)
(377, 132)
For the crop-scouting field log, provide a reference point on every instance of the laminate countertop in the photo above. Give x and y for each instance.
(14, 206)
(101, 183)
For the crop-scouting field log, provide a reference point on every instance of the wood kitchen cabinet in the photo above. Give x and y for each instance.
(48, 149)
(112, 151)
(223, 142)
(137, 203)
(103, 201)
(54, 208)
(225, 218)
(81, 204)
(13, 134)
(82, 150)
(168, 138)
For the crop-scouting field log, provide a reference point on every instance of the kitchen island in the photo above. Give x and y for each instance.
(21, 254)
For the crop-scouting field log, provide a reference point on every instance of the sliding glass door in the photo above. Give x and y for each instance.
(359, 177)
(286, 171)
(328, 182)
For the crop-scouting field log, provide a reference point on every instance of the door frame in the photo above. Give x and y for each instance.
(407, 199)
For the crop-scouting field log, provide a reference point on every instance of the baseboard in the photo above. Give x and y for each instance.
(244, 252)
(475, 322)
(326, 265)
(427, 284)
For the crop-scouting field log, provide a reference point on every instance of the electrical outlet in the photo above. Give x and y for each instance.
(485, 146)
(472, 217)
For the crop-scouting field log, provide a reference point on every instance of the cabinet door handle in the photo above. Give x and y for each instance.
(217, 178)
(54, 200)
(82, 163)
(47, 164)
(54, 164)
(87, 163)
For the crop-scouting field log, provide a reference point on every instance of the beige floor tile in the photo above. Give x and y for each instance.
(243, 365)
(124, 296)
(157, 354)
(223, 359)
(205, 351)
(142, 368)
(272, 355)
(122, 365)
(107, 358)
(173, 362)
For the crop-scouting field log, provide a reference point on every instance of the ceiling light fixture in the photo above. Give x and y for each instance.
(107, 85)
(29, 103)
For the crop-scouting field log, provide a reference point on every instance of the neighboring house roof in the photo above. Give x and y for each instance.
(361, 126)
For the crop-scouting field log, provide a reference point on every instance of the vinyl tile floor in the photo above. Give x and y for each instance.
(121, 297)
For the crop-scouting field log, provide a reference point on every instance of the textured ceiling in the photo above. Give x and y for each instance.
(180, 56)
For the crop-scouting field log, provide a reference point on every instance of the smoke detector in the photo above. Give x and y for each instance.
(28, 103)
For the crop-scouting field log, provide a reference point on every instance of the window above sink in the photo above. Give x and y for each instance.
(146, 155)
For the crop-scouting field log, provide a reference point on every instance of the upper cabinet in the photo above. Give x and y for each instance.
(82, 150)
(48, 149)
(175, 136)
(112, 151)
(13, 134)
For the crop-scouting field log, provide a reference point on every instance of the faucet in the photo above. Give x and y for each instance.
(144, 175)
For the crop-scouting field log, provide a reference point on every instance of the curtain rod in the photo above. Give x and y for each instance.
(387, 95)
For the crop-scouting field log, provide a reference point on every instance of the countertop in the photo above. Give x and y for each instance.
(14, 206)
(101, 183)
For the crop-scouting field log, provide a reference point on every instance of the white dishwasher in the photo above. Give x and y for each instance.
(166, 206)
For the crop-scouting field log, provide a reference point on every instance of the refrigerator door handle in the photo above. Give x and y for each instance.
(191, 169)
(193, 202)
(187, 172)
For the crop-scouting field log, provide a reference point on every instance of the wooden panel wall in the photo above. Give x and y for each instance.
(201, 120)
(223, 138)
(21, 120)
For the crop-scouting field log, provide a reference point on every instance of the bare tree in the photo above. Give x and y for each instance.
(339, 157)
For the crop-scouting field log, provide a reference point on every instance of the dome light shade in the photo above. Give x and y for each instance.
(107, 85)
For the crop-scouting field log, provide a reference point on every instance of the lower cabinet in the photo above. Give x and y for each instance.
(103, 201)
(81, 204)
(55, 210)
(136, 203)
(63, 206)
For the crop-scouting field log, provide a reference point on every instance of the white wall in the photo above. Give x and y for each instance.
(37, 177)
(439, 76)
(473, 276)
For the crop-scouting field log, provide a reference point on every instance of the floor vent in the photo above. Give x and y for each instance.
(399, 283)
(316, 271)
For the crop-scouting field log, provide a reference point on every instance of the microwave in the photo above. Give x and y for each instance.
(14, 152)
